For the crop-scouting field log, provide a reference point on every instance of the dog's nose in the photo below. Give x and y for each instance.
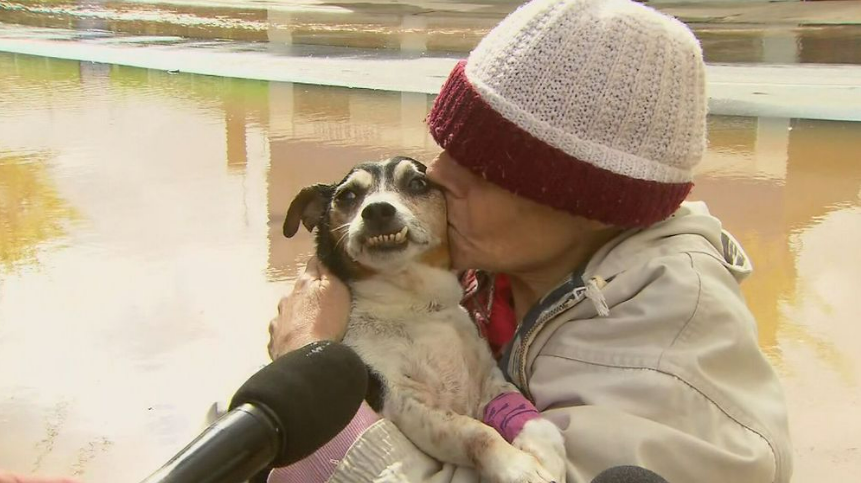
(378, 214)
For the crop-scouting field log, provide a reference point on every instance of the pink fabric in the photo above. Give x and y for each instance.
(508, 412)
(320, 466)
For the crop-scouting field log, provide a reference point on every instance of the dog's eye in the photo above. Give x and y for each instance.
(346, 197)
(418, 185)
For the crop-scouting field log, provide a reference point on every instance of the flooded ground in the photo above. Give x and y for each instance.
(801, 36)
(141, 256)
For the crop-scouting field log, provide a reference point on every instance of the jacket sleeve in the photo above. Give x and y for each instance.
(654, 420)
(673, 381)
(597, 437)
(384, 455)
(320, 466)
(370, 449)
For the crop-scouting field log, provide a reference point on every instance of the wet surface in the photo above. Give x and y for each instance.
(420, 26)
(839, 44)
(141, 255)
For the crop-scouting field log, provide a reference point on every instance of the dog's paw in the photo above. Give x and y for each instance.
(516, 466)
(542, 439)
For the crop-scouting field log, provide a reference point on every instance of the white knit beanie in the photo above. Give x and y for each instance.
(596, 107)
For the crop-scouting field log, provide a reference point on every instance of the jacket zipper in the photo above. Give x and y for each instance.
(520, 356)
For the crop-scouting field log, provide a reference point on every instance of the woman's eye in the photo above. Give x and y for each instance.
(418, 184)
(346, 197)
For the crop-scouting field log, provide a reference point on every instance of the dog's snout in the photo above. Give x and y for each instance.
(378, 214)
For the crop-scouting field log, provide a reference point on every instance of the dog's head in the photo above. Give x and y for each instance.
(379, 218)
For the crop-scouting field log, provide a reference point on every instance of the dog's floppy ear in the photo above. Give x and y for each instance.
(309, 206)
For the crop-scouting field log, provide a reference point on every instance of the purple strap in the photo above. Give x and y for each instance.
(508, 413)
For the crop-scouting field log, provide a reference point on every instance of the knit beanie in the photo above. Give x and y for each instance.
(595, 107)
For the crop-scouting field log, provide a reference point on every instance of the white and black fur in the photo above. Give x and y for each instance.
(382, 230)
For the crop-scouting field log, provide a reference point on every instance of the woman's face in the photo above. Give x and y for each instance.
(492, 229)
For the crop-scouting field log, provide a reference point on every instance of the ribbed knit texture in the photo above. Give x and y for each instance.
(596, 107)
(320, 466)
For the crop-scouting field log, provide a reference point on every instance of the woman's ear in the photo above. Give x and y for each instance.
(309, 207)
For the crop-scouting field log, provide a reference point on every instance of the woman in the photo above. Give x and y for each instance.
(570, 136)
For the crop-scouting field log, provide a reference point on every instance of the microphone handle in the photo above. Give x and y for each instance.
(248, 441)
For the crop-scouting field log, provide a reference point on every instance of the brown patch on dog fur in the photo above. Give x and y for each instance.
(361, 272)
(433, 211)
(439, 257)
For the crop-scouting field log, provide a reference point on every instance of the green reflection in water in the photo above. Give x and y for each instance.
(31, 210)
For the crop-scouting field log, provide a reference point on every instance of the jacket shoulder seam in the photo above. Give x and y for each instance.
(690, 318)
(689, 323)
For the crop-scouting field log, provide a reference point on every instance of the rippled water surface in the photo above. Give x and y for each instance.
(141, 256)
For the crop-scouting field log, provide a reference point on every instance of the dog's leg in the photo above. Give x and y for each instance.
(543, 440)
(539, 437)
(464, 441)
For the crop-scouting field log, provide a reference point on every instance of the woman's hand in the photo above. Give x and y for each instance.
(317, 309)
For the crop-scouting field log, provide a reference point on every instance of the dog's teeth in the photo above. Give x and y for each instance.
(390, 238)
(402, 235)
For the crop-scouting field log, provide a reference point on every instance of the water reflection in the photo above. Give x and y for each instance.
(836, 44)
(111, 352)
(771, 180)
(789, 190)
(448, 27)
(32, 212)
(168, 193)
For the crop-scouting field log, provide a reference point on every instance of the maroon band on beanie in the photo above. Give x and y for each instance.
(482, 140)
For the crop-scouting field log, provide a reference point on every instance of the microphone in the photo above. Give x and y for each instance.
(628, 474)
(282, 414)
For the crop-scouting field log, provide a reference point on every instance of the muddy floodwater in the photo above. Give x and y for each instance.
(141, 254)
(453, 26)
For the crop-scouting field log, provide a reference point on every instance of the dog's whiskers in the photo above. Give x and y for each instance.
(341, 240)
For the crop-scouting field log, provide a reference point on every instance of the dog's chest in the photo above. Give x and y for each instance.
(435, 356)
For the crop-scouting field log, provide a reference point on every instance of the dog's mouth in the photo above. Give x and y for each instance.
(388, 241)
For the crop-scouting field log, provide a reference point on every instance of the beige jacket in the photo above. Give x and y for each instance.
(670, 379)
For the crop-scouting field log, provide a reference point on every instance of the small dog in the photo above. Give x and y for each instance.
(382, 230)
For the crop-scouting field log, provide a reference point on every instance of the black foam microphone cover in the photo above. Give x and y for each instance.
(628, 474)
(312, 393)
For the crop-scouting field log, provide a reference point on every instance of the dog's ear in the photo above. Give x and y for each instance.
(308, 206)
